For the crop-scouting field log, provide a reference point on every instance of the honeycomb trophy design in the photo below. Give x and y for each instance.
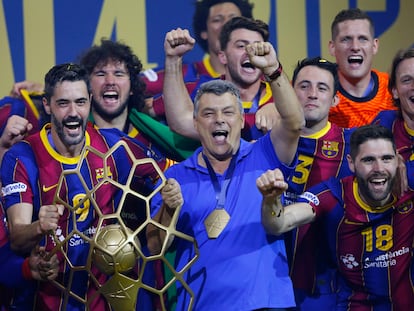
(115, 262)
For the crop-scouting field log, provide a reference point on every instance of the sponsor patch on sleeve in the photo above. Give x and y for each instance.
(14, 188)
(310, 197)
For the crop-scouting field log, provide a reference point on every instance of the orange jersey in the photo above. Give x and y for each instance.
(357, 111)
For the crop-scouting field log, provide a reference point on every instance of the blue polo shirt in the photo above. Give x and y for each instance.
(244, 268)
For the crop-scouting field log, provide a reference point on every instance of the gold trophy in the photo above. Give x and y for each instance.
(116, 261)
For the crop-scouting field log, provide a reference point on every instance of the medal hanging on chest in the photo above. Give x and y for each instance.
(216, 222)
(218, 219)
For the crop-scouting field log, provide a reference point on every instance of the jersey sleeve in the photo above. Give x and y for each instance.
(16, 169)
(322, 197)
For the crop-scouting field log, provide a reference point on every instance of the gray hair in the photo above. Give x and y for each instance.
(217, 87)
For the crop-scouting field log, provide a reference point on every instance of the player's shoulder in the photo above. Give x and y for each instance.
(383, 76)
(386, 117)
(108, 136)
(21, 152)
(388, 113)
(21, 149)
(380, 73)
(113, 133)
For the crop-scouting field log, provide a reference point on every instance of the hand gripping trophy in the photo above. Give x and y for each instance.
(103, 256)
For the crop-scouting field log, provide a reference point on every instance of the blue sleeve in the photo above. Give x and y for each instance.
(10, 106)
(269, 151)
(386, 118)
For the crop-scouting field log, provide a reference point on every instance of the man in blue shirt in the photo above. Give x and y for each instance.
(239, 266)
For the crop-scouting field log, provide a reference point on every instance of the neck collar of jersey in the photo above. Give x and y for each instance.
(53, 152)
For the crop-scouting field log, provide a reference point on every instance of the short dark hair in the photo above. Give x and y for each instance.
(398, 58)
(242, 22)
(350, 14)
(320, 63)
(64, 72)
(117, 51)
(217, 87)
(369, 132)
(202, 11)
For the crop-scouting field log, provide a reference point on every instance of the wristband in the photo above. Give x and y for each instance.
(276, 74)
(26, 271)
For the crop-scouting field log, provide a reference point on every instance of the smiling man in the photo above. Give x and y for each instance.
(256, 94)
(368, 229)
(322, 153)
(208, 20)
(31, 171)
(117, 88)
(239, 267)
(401, 122)
(363, 90)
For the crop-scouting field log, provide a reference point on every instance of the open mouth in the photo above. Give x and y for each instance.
(110, 95)
(220, 136)
(248, 64)
(355, 59)
(378, 184)
(378, 181)
(73, 126)
(220, 133)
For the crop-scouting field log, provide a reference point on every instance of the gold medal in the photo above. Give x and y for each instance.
(216, 222)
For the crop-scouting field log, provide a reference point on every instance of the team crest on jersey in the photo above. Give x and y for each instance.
(100, 173)
(405, 207)
(330, 148)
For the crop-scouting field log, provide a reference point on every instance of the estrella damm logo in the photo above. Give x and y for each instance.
(330, 148)
(100, 173)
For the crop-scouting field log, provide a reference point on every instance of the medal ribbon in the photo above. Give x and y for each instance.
(221, 191)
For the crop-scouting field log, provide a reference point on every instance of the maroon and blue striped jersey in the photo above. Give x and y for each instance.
(372, 247)
(320, 157)
(403, 135)
(32, 172)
